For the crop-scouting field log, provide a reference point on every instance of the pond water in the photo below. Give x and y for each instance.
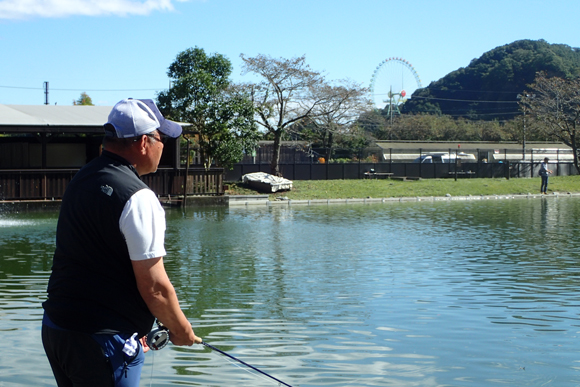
(475, 293)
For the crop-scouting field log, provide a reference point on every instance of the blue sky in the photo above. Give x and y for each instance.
(113, 49)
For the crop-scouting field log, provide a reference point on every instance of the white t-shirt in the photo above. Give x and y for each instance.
(142, 222)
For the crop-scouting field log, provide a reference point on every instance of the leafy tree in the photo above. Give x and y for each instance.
(84, 99)
(220, 113)
(491, 131)
(556, 103)
(286, 95)
(375, 125)
(429, 127)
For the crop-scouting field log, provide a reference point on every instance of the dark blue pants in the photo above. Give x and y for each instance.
(81, 359)
(544, 186)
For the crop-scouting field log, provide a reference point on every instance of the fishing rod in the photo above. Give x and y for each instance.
(159, 337)
(243, 362)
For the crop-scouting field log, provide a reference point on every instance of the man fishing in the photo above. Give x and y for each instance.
(108, 281)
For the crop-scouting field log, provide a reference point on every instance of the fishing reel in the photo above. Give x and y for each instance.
(158, 337)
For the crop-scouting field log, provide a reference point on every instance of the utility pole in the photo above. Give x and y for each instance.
(525, 97)
(46, 93)
(524, 137)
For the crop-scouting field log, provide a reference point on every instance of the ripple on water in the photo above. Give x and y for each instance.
(482, 293)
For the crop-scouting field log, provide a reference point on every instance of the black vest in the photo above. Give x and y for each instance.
(92, 287)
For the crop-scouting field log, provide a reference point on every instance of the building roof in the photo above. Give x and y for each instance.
(53, 118)
(429, 146)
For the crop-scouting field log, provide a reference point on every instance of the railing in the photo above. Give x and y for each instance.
(166, 182)
(48, 184)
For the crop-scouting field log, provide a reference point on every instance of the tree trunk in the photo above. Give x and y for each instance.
(574, 146)
(329, 147)
(274, 165)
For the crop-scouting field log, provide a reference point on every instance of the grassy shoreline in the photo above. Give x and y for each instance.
(385, 188)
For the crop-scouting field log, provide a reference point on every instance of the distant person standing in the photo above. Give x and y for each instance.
(544, 172)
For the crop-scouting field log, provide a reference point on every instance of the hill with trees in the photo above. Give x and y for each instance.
(488, 88)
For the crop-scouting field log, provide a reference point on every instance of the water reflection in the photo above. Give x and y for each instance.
(26, 245)
(406, 294)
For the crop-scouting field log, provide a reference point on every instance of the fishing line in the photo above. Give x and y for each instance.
(152, 363)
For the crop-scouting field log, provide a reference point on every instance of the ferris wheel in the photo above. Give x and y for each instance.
(393, 80)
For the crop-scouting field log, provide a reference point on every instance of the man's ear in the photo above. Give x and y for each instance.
(141, 144)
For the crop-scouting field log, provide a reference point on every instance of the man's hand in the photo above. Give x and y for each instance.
(161, 299)
(143, 341)
(188, 338)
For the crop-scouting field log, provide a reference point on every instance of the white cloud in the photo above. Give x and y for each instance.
(26, 9)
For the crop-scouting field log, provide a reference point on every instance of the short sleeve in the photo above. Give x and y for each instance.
(142, 223)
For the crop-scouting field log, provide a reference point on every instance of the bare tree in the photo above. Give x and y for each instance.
(286, 95)
(343, 106)
(556, 103)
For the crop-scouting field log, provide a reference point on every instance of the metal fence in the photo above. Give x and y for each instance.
(471, 160)
(48, 184)
(362, 170)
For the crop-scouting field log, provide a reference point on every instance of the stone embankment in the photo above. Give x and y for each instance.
(262, 200)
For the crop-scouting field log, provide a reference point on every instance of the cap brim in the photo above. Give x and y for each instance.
(169, 128)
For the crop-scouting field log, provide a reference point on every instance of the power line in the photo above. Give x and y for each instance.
(463, 100)
(20, 87)
(455, 100)
(469, 91)
(81, 90)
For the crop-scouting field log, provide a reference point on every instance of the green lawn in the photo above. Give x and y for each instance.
(384, 188)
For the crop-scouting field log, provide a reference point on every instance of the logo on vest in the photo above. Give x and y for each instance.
(107, 190)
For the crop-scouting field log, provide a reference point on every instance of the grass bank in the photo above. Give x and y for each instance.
(385, 188)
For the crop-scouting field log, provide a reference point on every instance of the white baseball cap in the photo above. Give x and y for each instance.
(135, 117)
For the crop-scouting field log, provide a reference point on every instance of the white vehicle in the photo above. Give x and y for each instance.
(445, 158)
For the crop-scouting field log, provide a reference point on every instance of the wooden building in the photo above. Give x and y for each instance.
(43, 146)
